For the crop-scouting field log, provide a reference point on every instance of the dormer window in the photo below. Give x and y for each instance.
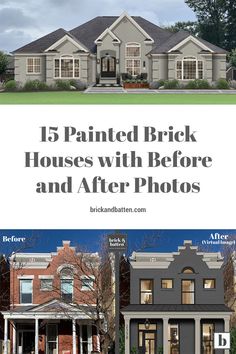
(67, 279)
(188, 270)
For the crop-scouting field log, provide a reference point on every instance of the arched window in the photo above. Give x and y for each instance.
(189, 68)
(133, 58)
(66, 67)
(67, 280)
(188, 270)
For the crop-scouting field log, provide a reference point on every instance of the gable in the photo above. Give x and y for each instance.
(191, 39)
(129, 31)
(69, 42)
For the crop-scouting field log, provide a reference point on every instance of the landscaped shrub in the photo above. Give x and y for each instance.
(35, 85)
(11, 85)
(171, 84)
(63, 85)
(222, 84)
(198, 85)
(126, 76)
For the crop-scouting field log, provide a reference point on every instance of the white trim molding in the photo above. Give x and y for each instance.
(104, 33)
(194, 40)
(66, 37)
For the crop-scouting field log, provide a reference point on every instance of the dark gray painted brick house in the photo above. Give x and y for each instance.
(176, 302)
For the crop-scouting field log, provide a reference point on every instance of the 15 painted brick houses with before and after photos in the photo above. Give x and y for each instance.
(176, 302)
(105, 47)
(51, 304)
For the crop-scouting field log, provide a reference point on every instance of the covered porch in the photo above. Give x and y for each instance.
(51, 328)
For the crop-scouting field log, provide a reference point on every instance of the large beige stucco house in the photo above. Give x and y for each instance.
(107, 46)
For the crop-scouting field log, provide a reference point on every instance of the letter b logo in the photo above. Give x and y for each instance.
(222, 341)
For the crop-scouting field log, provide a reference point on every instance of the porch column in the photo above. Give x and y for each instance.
(197, 336)
(5, 336)
(80, 339)
(74, 335)
(165, 335)
(127, 335)
(90, 339)
(227, 329)
(14, 338)
(36, 351)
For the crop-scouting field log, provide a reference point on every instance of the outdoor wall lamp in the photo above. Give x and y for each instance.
(147, 324)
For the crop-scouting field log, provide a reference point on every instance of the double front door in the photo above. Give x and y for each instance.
(108, 66)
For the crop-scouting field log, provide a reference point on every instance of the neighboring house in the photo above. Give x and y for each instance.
(107, 46)
(230, 284)
(52, 303)
(4, 295)
(176, 302)
(231, 73)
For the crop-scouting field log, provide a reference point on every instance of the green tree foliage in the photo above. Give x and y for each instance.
(3, 63)
(232, 57)
(212, 19)
(233, 340)
(189, 26)
(230, 8)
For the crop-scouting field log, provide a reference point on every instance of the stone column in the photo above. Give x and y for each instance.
(14, 338)
(197, 335)
(127, 335)
(36, 351)
(74, 335)
(165, 335)
(5, 336)
(227, 330)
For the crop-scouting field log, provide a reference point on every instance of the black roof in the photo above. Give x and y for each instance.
(88, 32)
(176, 308)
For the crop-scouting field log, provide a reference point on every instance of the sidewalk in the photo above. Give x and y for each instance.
(150, 91)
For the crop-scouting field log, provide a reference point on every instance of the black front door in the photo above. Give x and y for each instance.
(108, 66)
(149, 342)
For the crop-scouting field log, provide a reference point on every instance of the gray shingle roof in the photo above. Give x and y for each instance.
(176, 308)
(178, 37)
(88, 32)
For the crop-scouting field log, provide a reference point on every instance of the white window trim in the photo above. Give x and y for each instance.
(30, 277)
(132, 45)
(182, 69)
(46, 276)
(33, 73)
(66, 78)
(26, 278)
(49, 289)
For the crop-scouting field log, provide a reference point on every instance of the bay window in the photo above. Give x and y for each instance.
(189, 68)
(66, 68)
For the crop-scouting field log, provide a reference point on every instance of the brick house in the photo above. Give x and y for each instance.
(52, 306)
(4, 294)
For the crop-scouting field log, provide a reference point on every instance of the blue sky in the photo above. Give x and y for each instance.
(26, 20)
(89, 240)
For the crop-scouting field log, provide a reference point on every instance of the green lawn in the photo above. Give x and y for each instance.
(80, 98)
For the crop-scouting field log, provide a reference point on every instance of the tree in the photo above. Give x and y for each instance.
(230, 9)
(232, 57)
(212, 19)
(3, 64)
(189, 26)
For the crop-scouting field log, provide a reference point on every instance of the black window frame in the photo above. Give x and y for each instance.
(188, 292)
(209, 279)
(162, 279)
(140, 290)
